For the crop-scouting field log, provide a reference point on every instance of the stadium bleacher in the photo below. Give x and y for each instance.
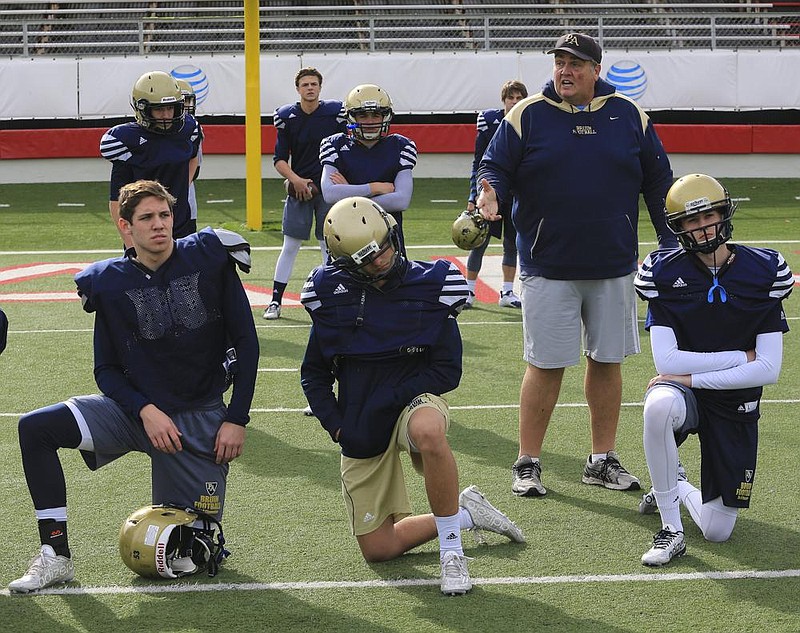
(208, 26)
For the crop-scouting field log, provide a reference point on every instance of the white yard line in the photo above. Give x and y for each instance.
(449, 247)
(418, 582)
(465, 407)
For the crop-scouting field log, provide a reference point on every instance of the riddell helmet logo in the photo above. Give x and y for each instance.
(161, 558)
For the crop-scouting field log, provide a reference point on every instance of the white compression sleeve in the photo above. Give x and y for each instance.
(669, 359)
(764, 370)
(664, 412)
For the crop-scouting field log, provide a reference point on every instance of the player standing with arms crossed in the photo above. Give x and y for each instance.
(369, 161)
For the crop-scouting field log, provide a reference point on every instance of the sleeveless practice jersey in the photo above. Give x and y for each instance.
(139, 154)
(161, 337)
(299, 135)
(383, 346)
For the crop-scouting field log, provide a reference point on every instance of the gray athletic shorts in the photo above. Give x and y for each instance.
(559, 315)
(189, 478)
(299, 214)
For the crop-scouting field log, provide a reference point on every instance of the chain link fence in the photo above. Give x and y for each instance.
(112, 27)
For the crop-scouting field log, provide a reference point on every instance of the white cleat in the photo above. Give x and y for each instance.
(486, 517)
(46, 569)
(273, 311)
(455, 576)
(668, 543)
(648, 503)
(509, 299)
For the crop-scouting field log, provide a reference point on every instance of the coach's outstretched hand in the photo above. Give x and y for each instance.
(487, 201)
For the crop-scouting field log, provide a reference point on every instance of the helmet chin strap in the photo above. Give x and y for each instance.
(715, 285)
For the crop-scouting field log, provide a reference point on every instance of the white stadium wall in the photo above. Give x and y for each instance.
(419, 83)
(94, 88)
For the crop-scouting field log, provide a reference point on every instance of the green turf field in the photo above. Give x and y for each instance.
(294, 565)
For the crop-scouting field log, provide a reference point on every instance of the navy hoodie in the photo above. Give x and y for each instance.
(576, 177)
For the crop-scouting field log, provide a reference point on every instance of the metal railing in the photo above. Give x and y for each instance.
(111, 27)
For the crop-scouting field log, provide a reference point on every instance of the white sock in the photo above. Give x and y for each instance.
(598, 456)
(669, 506)
(507, 286)
(449, 530)
(471, 283)
(465, 519)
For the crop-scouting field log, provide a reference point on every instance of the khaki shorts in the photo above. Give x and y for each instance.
(560, 315)
(375, 488)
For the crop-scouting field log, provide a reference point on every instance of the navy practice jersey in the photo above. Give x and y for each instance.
(139, 154)
(360, 164)
(160, 337)
(299, 135)
(384, 347)
(677, 287)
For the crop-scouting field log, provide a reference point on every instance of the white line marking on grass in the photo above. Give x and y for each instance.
(483, 407)
(4, 205)
(740, 199)
(418, 582)
(440, 201)
(224, 201)
(71, 204)
(84, 252)
(49, 331)
(466, 407)
(287, 326)
(279, 369)
(316, 248)
(583, 405)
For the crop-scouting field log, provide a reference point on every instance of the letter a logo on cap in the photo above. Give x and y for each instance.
(571, 39)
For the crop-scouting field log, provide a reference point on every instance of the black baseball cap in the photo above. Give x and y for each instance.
(580, 45)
